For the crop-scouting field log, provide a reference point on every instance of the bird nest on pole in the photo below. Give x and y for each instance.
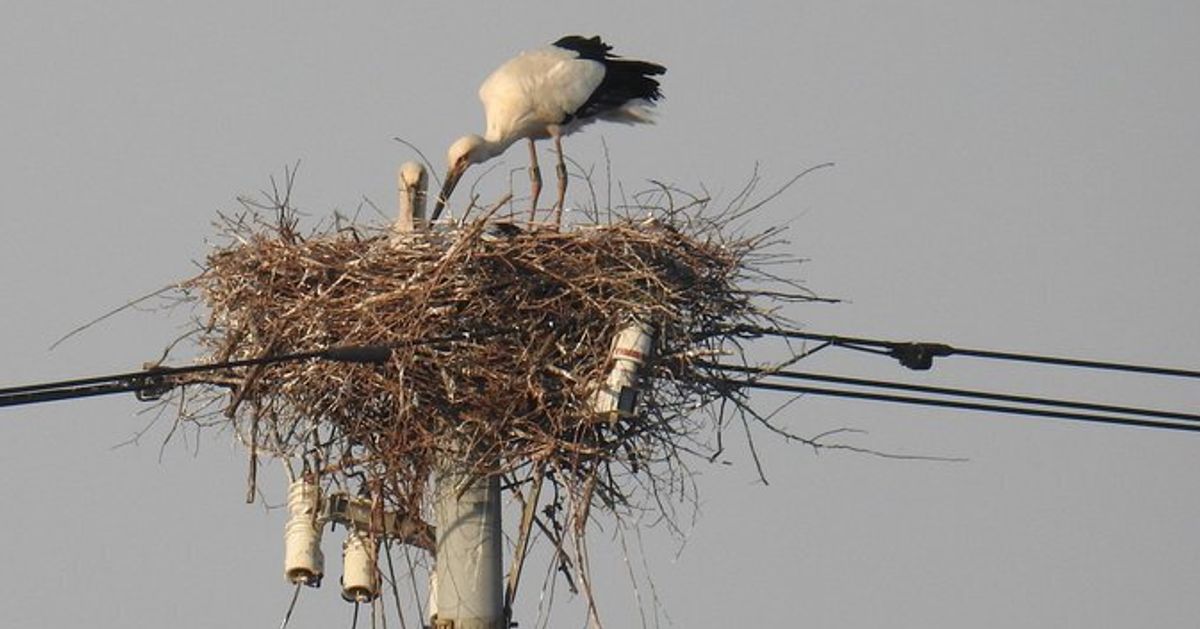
(500, 340)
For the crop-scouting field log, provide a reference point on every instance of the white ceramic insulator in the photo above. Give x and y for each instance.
(359, 575)
(630, 350)
(303, 561)
(633, 344)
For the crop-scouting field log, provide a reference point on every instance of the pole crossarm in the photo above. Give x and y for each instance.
(360, 514)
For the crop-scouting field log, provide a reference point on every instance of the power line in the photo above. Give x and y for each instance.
(968, 393)
(153, 383)
(919, 356)
(287, 616)
(352, 354)
(973, 406)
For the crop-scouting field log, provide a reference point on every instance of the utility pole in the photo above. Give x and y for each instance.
(469, 577)
(467, 587)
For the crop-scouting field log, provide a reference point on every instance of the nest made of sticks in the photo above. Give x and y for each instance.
(499, 339)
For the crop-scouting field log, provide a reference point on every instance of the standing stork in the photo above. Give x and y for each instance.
(548, 93)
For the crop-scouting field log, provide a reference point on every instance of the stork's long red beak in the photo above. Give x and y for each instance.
(452, 176)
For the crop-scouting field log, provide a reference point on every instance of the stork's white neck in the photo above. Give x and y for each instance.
(476, 149)
(491, 147)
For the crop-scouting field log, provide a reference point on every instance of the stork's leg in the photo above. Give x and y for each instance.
(561, 168)
(535, 180)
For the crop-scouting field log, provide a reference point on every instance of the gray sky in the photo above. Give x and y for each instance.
(1018, 177)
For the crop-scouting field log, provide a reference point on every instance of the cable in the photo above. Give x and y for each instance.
(370, 353)
(973, 406)
(985, 395)
(920, 356)
(287, 616)
(387, 549)
(34, 397)
(153, 383)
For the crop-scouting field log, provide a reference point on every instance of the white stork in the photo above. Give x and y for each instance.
(548, 93)
(411, 183)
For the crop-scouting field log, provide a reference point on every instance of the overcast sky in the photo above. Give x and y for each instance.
(1021, 177)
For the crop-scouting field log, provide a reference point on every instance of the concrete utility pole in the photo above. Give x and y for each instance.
(469, 575)
(467, 587)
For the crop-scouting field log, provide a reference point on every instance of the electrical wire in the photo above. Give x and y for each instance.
(920, 355)
(416, 593)
(395, 587)
(366, 353)
(969, 393)
(287, 616)
(153, 383)
(973, 406)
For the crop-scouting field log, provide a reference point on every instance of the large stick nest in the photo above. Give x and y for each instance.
(499, 342)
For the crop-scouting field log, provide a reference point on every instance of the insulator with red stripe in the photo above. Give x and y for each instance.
(617, 397)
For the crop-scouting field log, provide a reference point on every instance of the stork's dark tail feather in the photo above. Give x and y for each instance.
(624, 79)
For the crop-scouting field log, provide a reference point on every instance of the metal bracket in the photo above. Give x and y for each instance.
(359, 513)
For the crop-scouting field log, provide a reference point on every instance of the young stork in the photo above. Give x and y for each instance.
(411, 182)
(548, 93)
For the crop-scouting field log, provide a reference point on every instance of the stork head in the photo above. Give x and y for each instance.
(467, 150)
(412, 176)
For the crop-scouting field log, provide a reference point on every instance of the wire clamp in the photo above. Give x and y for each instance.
(919, 356)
